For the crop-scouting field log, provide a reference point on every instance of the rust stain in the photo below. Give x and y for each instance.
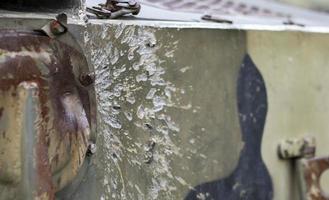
(313, 169)
(23, 61)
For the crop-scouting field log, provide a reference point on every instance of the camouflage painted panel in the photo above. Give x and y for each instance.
(168, 111)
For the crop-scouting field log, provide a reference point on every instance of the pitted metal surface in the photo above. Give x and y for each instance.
(150, 110)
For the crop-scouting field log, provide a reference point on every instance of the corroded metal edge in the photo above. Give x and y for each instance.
(65, 110)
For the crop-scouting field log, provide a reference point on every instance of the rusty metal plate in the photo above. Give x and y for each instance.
(45, 113)
(312, 170)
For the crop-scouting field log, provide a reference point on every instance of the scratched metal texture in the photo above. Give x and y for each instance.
(160, 131)
(153, 143)
(161, 128)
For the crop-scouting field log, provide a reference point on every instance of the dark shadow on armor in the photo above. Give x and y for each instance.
(250, 180)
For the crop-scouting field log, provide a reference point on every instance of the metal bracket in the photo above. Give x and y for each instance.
(56, 26)
(310, 171)
(115, 9)
(309, 168)
(297, 148)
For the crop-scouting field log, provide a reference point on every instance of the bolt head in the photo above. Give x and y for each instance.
(57, 28)
(87, 79)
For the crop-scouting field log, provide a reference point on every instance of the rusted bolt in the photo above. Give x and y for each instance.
(91, 149)
(57, 28)
(87, 79)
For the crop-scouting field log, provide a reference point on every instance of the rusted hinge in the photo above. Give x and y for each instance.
(56, 26)
(308, 167)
